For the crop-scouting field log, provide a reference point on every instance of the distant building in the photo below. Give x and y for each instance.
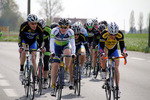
(82, 20)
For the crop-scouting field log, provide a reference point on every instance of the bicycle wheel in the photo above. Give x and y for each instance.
(49, 76)
(115, 88)
(60, 83)
(40, 78)
(26, 81)
(31, 83)
(107, 89)
(96, 69)
(78, 85)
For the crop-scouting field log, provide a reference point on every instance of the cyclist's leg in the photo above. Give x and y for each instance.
(94, 59)
(116, 54)
(34, 47)
(46, 68)
(23, 56)
(82, 58)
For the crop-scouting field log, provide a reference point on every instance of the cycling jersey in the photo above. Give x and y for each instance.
(29, 35)
(59, 40)
(91, 34)
(110, 44)
(81, 40)
(96, 39)
(46, 37)
(84, 31)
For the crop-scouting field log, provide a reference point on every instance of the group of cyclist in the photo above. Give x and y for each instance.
(63, 38)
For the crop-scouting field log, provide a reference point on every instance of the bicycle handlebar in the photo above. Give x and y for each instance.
(125, 60)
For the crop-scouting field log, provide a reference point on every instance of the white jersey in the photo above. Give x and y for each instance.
(59, 39)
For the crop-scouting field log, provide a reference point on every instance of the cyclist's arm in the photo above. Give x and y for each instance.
(121, 42)
(102, 42)
(40, 35)
(84, 40)
(73, 47)
(52, 41)
(20, 37)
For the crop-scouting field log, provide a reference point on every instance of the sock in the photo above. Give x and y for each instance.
(21, 68)
(53, 85)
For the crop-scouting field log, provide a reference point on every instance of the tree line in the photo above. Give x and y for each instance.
(10, 15)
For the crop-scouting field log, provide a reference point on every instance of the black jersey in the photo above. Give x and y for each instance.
(29, 35)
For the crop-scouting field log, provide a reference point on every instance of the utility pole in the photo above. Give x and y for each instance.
(149, 32)
(28, 7)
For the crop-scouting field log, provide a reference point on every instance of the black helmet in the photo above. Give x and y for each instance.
(101, 27)
(104, 22)
(64, 22)
(53, 25)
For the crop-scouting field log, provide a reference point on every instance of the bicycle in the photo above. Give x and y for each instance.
(28, 75)
(110, 85)
(77, 74)
(49, 73)
(60, 78)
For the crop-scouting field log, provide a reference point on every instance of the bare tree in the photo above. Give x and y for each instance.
(51, 8)
(140, 22)
(132, 22)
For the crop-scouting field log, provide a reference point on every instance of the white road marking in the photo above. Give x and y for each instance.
(137, 58)
(4, 83)
(10, 92)
(1, 76)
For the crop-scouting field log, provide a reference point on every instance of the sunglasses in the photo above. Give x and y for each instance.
(33, 23)
(90, 26)
(63, 27)
(76, 34)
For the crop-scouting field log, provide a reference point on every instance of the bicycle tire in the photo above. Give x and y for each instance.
(115, 85)
(60, 83)
(25, 81)
(49, 76)
(78, 80)
(31, 83)
(40, 78)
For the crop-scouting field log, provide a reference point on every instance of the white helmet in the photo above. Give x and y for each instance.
(113, 28)
(32, 18)
(42, 22)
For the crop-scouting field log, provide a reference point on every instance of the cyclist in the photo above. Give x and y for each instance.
(28, 32)
(95, 21)
(104, 22)
(101, 27)
(91, 31)
(108, 46)
(46, 40)
(61, 39)
(81, 47)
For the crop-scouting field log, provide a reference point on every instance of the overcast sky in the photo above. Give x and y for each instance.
(109, 10)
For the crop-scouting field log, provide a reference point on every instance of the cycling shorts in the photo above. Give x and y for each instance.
(115, 53)
(32, 46)
(58, 51)
(79, 47)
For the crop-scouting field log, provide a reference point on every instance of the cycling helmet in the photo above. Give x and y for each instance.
(76, 28)
(64, 22)
(53, 25)
(32, 18)
(104, 22)
(78, 23)
(113, 28)
(89, 24)
(95, 21)
(42, 22)
(101, 27)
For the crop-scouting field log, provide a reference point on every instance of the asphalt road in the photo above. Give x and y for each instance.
(134, 79)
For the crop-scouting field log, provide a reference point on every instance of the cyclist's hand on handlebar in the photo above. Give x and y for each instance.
(103, 55)
(52, 55)
(21, 49)
(124, 54)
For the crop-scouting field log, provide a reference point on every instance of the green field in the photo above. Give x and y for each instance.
(137, 42)
(133, 42)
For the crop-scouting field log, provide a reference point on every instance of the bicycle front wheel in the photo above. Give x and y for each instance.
(31, 83)
(26, 81)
